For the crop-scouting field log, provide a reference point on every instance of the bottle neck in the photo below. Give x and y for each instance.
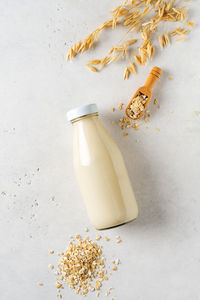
(84, 117)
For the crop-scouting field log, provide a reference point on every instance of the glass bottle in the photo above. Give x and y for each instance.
(101, 171)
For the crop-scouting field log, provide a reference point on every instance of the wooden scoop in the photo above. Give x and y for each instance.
(145, 90)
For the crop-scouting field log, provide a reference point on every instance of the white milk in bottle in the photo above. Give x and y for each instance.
(100, 170)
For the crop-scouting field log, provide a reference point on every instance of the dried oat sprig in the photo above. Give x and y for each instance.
(88, 42)
(143, 16)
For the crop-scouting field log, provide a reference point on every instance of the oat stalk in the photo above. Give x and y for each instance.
(143, 17)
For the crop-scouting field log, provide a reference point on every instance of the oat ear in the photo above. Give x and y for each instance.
(135, 16)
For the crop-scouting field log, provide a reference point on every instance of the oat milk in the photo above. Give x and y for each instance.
(100, 170)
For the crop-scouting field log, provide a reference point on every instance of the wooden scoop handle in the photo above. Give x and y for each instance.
(152, 78)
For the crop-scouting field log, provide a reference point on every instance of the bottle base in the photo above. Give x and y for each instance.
(116, 225)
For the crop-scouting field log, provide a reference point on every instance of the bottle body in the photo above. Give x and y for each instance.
(102, 175)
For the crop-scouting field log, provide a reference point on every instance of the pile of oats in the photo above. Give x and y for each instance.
(81, 263)
(82, 266)
(137, 16)
(137, 106)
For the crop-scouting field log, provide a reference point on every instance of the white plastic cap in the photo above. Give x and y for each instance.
(81, 111)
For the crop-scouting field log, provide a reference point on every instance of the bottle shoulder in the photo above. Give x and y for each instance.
(92, 138)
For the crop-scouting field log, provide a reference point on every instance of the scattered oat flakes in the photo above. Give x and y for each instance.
(98, 284)
(40, 283)
(51, 252)
(112, 109)
(157, 129)
(170, 78)
(114, 268)
(197, 112)
(84, 292)
(59, 285)
(118, 240)
(91, 288)
(107, 239)
(190, 24)
(116, 262)
(86, 229)
(136, 127)
(77, 289)
(77, 236)
(108, 291)
(146, 120)
(51, 267)
(120, 106)
(98, 237)
(59, 296)
(125, 133)
(155, 101)
(159, 106)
